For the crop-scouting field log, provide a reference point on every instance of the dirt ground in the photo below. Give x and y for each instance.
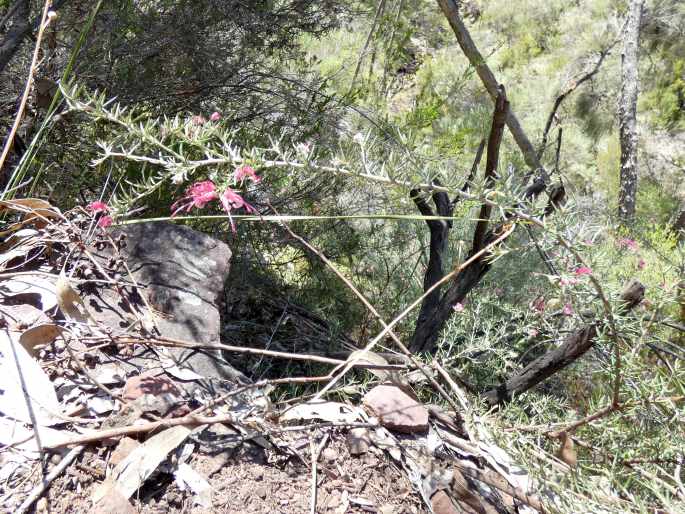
(251, 479)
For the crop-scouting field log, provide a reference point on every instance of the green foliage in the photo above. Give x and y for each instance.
(667, 99)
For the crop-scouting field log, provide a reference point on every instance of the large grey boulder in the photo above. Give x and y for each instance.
(181, 273)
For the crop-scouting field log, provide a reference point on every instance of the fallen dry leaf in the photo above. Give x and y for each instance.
(70, 302)
(20, 377)
(38, 336)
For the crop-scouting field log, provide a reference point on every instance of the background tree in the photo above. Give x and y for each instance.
(627, 112)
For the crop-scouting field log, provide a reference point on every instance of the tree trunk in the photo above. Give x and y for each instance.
(627, 108)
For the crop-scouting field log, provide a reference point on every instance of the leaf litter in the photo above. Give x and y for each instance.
(208, 446)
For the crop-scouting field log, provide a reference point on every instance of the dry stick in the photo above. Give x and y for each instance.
(373, 311)
(40, 488)
(574, 85)
(491, 163)
(362, 55)
(99, 435)
(417, 302)
(177, 343)
(29, 404)
(316, 453)
(44, 22)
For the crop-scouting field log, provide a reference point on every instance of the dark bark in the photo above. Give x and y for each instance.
(435, 310)
(627, 115)
(573, 347)
(496, 132)
(16, 34)
(439, 234)
(21, 28)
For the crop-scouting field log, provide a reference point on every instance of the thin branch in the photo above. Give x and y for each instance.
(499, 117)
(316, 453)
(372, 309)
(45, 21)
(365, 49)
(572, 87)
(450, 8)
(178, 343)
(45, 483)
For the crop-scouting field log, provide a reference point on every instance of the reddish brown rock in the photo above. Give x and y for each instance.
(442, 504)
(113, 502)
(123, 449)
(139, 385)
(396, 410)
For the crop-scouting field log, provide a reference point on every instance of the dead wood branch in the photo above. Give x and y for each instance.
(450, 8)
(177, 343)
(573, 347)
(570, 89)
(496, 132)
(99, 435)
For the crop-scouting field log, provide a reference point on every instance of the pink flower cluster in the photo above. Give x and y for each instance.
(200, 194)
(630, 244)
(101, 209)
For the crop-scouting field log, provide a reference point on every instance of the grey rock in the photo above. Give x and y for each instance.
(182, 273)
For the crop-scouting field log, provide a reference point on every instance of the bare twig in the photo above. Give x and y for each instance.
(99, 435)
(365, 49)
(316, 453)
(178, 343)
(373, 310)
(45, 483)
(570, 89)
(388, 328)
(45, 21)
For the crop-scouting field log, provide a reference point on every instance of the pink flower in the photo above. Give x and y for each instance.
(198, 120)
(583, 270)
(198, 195)
(588, 242)
(216, 116)
(105, 221)
(231, 200)
(458, 307)
(244, 172)
(567, 310)
(568, 281)
(631, 244)
(641, 264)
(98, 206)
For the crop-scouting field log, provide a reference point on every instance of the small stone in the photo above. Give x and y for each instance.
(113, 502)
(262, 492)
(123, 449)
(397, 410)
(140, 385)
(386, 509)
(329, 455)
(442, 504)
(358, 441)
